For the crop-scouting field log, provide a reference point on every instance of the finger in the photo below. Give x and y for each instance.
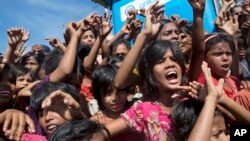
(14, 125)
(48, 100)
(30, 123)
(174, 96)
(7, 133)
(105, 16)
(7, 122)
(142, 12)
(45, 103)
(221, 21)
(224, 16)
(235, 18)
(23, 49)
(74, 25)
(229, 16)
(109, 18)
(21, 126)
(70, 101)
(193, 96)
(195, 85)
(244, 85)
(221, 83)
(158, 7)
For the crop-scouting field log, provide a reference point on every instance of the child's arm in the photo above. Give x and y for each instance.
(240, 113)
(102, 34)
(14, 38)
(67, 62)
(117, 127)
(198, 38)
(203, 126)
(123, 75)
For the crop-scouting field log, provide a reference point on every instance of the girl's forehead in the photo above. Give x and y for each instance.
(221, 46)
(170, 24)
(88, 32)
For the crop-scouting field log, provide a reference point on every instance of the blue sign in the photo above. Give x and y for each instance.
(180, 7)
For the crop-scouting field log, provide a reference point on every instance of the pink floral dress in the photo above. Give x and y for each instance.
(148, 117)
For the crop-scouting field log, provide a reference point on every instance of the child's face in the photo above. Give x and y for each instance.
(219, 59)
(32, 64)
(169, 32)
(23, 80)
(88, 38)
(114, 100)
(121, 49)
(55, 115)
(241, 50)
(167, 73)
(218, 129)
(6, 90)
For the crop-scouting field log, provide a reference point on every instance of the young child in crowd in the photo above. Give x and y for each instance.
(162, 68)
(13, 122)
(55, 103)
(33, 61)
(112, 102)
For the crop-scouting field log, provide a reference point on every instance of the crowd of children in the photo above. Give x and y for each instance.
(160, 79)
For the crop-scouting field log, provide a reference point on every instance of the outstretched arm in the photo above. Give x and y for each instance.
(203, 126)
(240, 113)
(102, 34)
(67, 62)
(198, 38)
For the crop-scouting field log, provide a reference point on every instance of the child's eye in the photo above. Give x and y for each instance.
(108, 92)
(229, 53)
(160, 61)
(218, 54)
(217, 134)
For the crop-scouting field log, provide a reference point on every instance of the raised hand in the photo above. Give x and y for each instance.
(14, 36)
(15, 122)
(26, 91)
(229, 24)
(213, 91)
(127, 25)
(55, 42)
(101, 27)
(65, 98)
(153, 14)
(197, 5)
(136, 26)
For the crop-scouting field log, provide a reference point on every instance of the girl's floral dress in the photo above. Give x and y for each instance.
(148, 117)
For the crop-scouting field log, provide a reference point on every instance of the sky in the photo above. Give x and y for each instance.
(43, 18)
